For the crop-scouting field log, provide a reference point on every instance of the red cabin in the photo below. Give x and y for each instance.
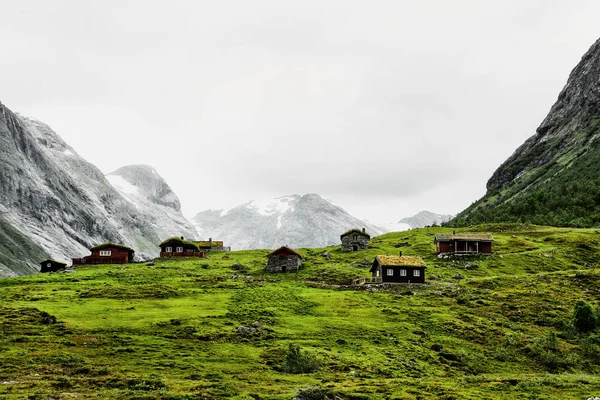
(464, 243)
(107, 253)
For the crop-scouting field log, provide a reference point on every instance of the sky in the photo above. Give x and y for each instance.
(385, 108)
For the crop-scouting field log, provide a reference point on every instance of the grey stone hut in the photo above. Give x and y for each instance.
(284, 259)
(355, 240)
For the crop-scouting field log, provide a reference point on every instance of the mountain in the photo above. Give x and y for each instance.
(297, 221)
(552, 179)
(425, 218)
(64, 204)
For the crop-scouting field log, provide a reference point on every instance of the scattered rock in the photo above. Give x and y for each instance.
(436, 347)
(248, 330)
(326, 254)
(150, 264)
(225, 257)
(434, 278)
(402, 244)
(48, 319)
(255, 324)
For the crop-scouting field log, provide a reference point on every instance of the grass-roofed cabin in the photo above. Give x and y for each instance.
(211, 245)
(398, 269)
(178, 247)
(284, 259)
(464, 243)
(107, 253)
(52, 266)
(355, 240)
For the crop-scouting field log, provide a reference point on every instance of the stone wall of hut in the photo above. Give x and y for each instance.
(355, 242)
(277, 263)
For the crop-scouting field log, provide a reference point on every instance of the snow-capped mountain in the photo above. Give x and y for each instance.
(65, 204)
(425, 218)
(297, 220)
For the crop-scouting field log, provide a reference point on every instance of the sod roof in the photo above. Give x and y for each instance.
(179, 240)
(204, 243)
(400, 261)
(110, 244)
(354, 230)
(480, 237)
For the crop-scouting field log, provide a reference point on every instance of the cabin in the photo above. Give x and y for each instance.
(398, 269)
(52, 266)
(355, 240)
(107, 253)
(284, 259)
(464, 243)
(211, 245)
(178, 247)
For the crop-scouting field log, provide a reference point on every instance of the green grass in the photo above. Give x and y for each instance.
(485, 327)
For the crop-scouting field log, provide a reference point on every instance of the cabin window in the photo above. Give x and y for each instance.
(105, 253)
(377, 273)
(49, 265)
(416, 272)
(168, 249)
(355, 238)
(402, 272)
(390, 272)
(180, 250)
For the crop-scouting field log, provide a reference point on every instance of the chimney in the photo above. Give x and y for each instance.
(454, 232)
(182, 238)
(400, 253)
(363, 230)
(210, 240)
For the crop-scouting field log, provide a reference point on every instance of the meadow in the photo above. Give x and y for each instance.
(493, 327)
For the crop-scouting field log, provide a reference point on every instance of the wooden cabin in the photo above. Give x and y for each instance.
(211, 245)
(355, 240)
(178, 247)
(107, 253)
(284, 259)
(464, 243)
(52, 266)
(398, 269)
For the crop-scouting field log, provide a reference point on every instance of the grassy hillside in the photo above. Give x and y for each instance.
(483, 327)
(18, 253)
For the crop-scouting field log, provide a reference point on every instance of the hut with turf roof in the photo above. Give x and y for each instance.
(52, 266)
(355, 240)
(178, 247)
(211, 245)
(398, 269)
(107, 253)
(284, 259)
(464, 243)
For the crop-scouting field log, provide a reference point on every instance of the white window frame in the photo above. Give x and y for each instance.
(402, 272)
(377, 273)
(105, 253)
(390, 272)
(416, 272)
(179, 249)
(168, 249)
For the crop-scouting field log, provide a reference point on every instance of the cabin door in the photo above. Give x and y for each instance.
(354, 247)
(284, 268)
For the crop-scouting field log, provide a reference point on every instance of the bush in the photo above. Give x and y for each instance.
(585, 320)
(299, 362)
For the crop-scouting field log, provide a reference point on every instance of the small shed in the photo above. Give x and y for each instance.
(107, 253)
(178, 247)
(399, 269)
(355, 240)
(464, 243)
(284, 259)
(52, 266)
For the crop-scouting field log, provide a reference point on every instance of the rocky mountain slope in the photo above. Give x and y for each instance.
(425, 218)
(64, 204)
(298, 221)
(552, 179)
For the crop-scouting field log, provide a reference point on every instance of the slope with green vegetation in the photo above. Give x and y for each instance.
(19, 255)
(501, 326)
(552, 179)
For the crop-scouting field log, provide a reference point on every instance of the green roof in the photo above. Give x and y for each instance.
(111, 244)
(400, 261)
(355, 230)
(179, 240)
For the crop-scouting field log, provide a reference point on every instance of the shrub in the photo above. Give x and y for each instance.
(585, 320)
(299, 362)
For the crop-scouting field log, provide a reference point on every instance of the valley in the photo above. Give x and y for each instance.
(498, 326)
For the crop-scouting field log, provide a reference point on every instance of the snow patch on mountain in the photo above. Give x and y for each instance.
(295, 220)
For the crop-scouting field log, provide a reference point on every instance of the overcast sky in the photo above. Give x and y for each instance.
(384, 107)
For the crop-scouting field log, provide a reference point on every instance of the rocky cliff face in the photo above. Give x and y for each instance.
(297, 221)
(552, 177)
(64, 203)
